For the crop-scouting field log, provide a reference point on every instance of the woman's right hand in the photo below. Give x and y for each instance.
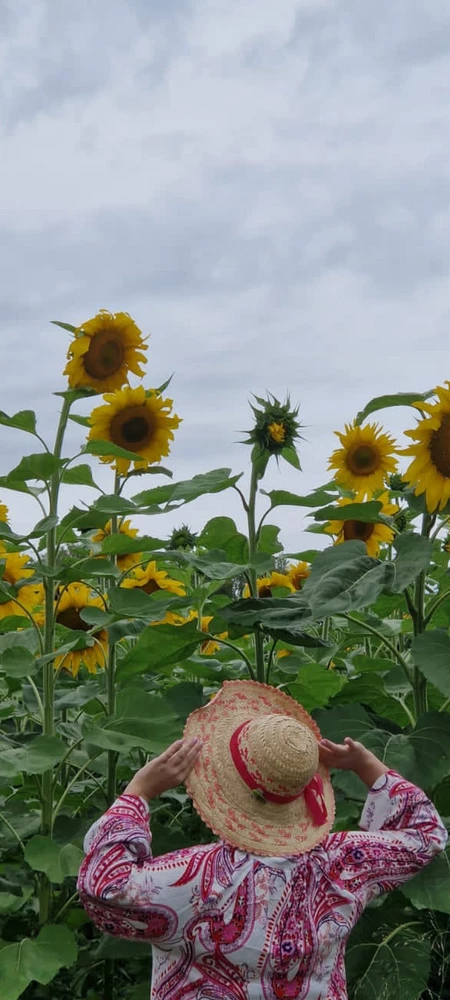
(351, 756)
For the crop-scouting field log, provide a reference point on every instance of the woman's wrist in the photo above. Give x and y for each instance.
(368, 768)
(135, 788)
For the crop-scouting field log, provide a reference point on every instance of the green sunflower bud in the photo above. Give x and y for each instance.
(397, 484)
(275, 431)
(182, 538)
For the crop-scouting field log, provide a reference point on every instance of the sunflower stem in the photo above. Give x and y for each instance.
(252, 578)
(420, 686)
(48, 692)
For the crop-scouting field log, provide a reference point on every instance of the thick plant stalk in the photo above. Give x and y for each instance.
(252, 543)
(48, 723)
(419, 622)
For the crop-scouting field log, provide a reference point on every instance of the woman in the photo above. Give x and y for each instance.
(265, 912)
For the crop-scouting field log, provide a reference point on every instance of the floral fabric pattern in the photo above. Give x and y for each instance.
(225, 925)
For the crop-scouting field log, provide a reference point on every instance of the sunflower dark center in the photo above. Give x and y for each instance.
(105, 355)
(440, 447)
(363, 460)
(360, 530)
(70, 618)
(265, 592)
(132, 428)
(150, 587)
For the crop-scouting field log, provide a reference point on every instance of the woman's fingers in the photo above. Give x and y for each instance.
(171, 751)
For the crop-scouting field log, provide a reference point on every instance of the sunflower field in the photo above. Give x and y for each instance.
(109, 638)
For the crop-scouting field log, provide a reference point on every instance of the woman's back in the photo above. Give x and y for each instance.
(232, 926)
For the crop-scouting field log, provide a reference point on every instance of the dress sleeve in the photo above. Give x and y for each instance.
(401, 832)
(125, 891)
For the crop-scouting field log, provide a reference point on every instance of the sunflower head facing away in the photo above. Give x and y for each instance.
(365, 459)
(138, 420)
(429, 471)
(72, 600)
(124, 528)
(103, 351)
(149, 579)
(372, 534)
(276, 429)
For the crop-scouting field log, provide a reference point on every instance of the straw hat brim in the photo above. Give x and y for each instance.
(220, 795)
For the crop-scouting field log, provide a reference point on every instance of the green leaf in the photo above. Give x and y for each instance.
(44, 855)
(369, 690)
(271, 612)
(77, 419)
(38, 756)
(282, 498)
(36, 960)
(431, 654)
(184, 698)
(135, 603)
(290, 456)
(190, 489)
(268, 539)
(44, 526)
(98, 447)
(315, 686)
(385, 402)
(79, 475)
(222, 533)
(368, 512)
(64, 326)
(413, 556)
(346, 720)
(41, 466)
(122, 735)
(395, 964)
(24, 420)
(120, 544)
(345, 587)
(87, 568)
(430, 740)
(430, 889)
(114, 505)
(95, 616)
(18, 662)
(26, 637)
(159, 647)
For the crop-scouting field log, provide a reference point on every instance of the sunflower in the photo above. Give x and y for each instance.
(297, 574)
(429, 472)
(365, 459)
(150, 579)
(4, 512)
(137, 420)
(364, 531)
(71, 601)
(30, 598)
(15, 564)
(103, 351)
(208, 647)
(265, 584)
(124, 528)
(277, 432)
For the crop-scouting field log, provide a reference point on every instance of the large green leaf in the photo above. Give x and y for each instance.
(123, 735)
(114, 504)
(121, 544)
(98, 447)
(346, 720)
(369, 512)
(369, 690)
(430, 889)
(283, 498)
(158, 647)
(88, 568)
(222, 533)
(252, 613)
(190, 489)
(38, 756)
(268, 540)
(346, 587)
(431, 654)
(430, 740)
(18, 661)
(413, 556)
(79, 475)
(394, 399)
(24, 420)
(35, 960)
(315, 686)
(396, 964)
(44, 855)
(40, 466)
(135, 603)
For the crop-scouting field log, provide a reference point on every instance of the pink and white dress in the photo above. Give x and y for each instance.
(225, 925)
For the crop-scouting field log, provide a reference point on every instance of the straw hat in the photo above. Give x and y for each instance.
(257, 782)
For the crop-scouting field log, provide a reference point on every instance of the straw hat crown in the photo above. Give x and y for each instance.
(280, 753)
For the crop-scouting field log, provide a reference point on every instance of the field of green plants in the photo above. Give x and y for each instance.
(110, 638)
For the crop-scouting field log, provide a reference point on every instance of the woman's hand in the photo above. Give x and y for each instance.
(352, 756)
(168, 770)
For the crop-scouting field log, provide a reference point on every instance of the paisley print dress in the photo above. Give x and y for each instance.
(225, 925)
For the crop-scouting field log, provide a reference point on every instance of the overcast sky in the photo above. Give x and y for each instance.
(263, 186)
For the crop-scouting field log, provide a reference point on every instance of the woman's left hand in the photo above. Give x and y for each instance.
(168, 770)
